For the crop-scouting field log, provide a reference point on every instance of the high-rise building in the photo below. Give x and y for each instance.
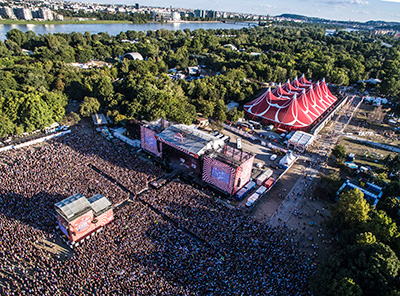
(23, 13)
(211, 14)
(46, 14)
(7, 12)
(200, 13)
(175, 16)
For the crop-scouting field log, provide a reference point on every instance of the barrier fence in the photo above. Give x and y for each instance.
(33, 142)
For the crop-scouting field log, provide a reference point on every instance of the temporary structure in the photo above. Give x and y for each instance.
(296, 105)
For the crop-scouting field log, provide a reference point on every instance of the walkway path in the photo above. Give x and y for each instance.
(295, 196)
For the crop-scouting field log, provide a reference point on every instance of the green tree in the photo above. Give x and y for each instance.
(382, 226)
(35, 113)
(352, 209)
(392, 164)
(392, 189)
(7, 127)
(89, 106)
(220, 111)
(234, 114)
(339, 151)
(17, 36)
(345, 287)
(381, 179)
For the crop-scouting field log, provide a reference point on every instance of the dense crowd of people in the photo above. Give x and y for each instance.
(139, 253)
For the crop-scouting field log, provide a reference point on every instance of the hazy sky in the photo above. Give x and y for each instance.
(358, 10)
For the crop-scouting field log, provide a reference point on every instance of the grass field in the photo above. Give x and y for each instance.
(360, 151)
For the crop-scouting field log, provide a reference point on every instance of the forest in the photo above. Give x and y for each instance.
(364, 261)
(35, 88)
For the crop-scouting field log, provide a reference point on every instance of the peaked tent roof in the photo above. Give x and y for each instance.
(296, 104)
(303, 80)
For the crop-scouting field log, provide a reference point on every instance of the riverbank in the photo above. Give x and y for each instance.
(86, 21)
(113, 28)
(66, 22)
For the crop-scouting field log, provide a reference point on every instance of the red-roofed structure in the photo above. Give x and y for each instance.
(296, 105)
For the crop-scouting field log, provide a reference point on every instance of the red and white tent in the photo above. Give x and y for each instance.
(294, 106)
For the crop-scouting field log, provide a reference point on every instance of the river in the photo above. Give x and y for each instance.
(114, 29)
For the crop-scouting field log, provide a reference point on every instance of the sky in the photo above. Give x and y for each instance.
(354, 10)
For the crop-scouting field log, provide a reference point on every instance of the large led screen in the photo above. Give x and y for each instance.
(150, 140)
(220, 175)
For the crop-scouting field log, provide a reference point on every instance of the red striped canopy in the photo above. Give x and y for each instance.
(295, 105)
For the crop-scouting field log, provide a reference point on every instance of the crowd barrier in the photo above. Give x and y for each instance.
(36, 141)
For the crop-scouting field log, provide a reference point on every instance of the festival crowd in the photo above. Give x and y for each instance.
(221, 252)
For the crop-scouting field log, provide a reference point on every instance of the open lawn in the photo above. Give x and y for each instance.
(364, 154)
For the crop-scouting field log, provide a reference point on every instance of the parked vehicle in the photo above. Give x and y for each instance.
(246, 189)
(261, 190)
(252, 199)
(269, 183)
(264, 176)
(256, 124)
(239, 143)
(241, 194)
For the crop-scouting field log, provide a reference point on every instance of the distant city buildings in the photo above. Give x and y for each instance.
(47, 10)
(28, 13)
(23, 13)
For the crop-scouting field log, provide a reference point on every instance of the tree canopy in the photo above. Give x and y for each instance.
(365, 259)
(143, 90)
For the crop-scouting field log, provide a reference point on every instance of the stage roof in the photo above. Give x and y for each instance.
(232, 156)
(99, 203)
(190, 140)
(296, 104)
(73, 205)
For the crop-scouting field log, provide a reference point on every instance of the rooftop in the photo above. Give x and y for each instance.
(99, 203)
(232, 156)
(73, 206)
(190, 139)
(301, 138)
(157, 125)
(77, 204)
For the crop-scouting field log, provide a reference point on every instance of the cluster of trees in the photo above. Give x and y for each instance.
(142, 89)
(339, 151)
(366, 256)
(28, 101)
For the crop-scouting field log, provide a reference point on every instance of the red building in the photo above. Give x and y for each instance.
(79, 216)
(297, 105)
(228, 170)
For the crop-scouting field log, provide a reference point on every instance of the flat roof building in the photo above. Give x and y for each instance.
(79, 216)
(372, 192)
(300, 141)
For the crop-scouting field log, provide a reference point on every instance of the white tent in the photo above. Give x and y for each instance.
(287, 160)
